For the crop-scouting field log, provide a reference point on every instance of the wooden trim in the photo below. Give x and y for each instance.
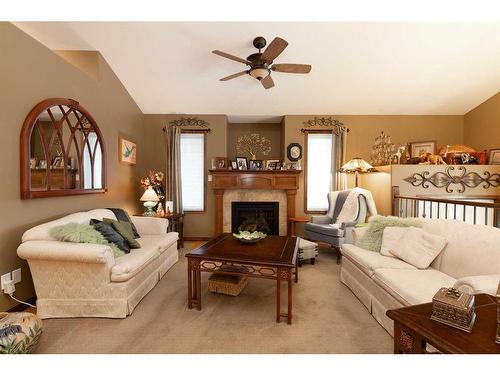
(25, 152)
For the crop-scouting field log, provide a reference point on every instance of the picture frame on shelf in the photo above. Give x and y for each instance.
(494, 156)
(271, 164)
(242, 163)
(127, 151)
(221, 163)
(234, 165)
(417, 149)
(256, 165)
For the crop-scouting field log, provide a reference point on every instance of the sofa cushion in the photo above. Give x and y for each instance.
(111, 234)
(368, 261)
(478, 284)
(472, 250)
(324, 229)
(131, 264)
(412, 287)
(160, 242)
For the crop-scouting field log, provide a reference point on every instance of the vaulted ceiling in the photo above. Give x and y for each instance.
(357, 68)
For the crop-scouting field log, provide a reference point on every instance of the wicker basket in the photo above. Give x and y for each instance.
(231, 285)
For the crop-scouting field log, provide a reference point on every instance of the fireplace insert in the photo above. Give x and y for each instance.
(255, 216)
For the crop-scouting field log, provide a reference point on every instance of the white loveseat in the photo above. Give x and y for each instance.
(470, 262)
(85, 280)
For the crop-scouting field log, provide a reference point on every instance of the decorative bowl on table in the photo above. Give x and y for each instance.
(250, 237)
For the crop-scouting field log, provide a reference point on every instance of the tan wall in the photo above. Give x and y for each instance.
(196, 224)
(270, 131)
(482, 125)
(29, 73)
(364, 129)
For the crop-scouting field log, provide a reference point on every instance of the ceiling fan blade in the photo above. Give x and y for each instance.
(234, 76)
(274, 49)
(231, 57)
(291, 68)
(267, 82)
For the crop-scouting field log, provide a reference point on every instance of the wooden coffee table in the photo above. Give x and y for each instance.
(413, 329)
(274, 258)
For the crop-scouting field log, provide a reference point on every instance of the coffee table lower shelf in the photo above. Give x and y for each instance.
(280, 274)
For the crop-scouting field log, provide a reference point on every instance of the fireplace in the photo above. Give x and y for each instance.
(252, 216)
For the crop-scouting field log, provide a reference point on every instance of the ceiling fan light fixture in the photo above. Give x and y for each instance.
(259, 73)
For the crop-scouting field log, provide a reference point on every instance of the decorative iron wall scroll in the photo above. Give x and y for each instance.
(190, 122)
(446, 180)
(324, 122)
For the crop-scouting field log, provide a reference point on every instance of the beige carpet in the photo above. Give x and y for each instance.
(327, 319)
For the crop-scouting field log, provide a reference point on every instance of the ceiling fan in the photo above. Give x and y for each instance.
(261, 63)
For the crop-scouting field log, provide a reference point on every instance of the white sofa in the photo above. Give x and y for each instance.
(85, 280)
(469, 262)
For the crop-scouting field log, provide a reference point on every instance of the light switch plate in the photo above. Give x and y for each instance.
(16, 276)
(209, 178)
(4, 279)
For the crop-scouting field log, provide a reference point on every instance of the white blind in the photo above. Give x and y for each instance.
(87, 166)
(319, 162)
(192, 171)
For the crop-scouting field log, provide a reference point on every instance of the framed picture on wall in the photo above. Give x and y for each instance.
(127, 151)
(494, 156)
(417, 149)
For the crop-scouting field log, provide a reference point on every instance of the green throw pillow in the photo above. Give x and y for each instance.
(126, 231)
(372, 239)
(83, 233)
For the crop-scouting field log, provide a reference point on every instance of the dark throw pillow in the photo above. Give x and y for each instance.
(125, 229)
(111, 234)
(123, 216)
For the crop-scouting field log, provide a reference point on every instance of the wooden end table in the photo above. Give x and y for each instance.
(294, 220)
(176, 222)
(414, 329)
(273, 258)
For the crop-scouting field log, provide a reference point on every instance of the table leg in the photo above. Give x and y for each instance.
(407, 342)
(181, 232)
(198, 288)
(297, 269)
(278, 300)
(190, 286)
(289, 321)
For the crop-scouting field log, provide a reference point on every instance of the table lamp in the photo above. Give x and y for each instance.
(357, 166)
(149, 198)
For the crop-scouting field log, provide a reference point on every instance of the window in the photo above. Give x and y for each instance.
(193, 171)
(88, 183)
(318, 171)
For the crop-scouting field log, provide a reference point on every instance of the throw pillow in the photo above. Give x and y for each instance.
(419, 248)
(111, 234)
(372, 239)
(83, 233)
(125, 229)
(390, 239)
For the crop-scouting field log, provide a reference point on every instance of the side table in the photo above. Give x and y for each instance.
(176, 222)
(294, 220)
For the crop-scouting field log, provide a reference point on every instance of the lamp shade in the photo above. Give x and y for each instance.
(149, 195)
(356, 165)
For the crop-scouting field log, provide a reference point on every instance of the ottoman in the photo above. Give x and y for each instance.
(19, 332)
(307, 250)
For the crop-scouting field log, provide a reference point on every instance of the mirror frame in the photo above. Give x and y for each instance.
(25, 151)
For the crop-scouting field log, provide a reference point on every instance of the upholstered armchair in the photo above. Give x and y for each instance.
(326, 228)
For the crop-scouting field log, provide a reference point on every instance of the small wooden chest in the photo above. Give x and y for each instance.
(454, 308)
(231, 285)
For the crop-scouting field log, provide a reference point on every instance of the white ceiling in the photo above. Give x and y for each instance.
(357, 68)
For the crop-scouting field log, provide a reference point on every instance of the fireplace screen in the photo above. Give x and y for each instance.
(255, 216)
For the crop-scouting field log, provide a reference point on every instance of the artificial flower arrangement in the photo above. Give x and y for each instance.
(155, 180)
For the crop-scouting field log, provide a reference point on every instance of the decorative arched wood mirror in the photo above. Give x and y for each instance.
(62, 151)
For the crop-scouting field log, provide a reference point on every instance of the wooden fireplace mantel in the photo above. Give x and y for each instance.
(273, 180)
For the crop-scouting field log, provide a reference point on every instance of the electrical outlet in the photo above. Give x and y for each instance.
(16, 276)
(5, 279)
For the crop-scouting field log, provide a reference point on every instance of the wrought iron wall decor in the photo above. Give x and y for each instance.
(445, 179)
(193, 122)
(324, 122)
(253, 144)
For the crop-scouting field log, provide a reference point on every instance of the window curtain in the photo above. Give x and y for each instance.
(339, 143)
(173, 170)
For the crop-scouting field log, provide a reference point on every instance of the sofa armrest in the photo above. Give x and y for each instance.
(478, 284)
(358, 233)
(321, 219)
(66, 252)
(150, 225)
